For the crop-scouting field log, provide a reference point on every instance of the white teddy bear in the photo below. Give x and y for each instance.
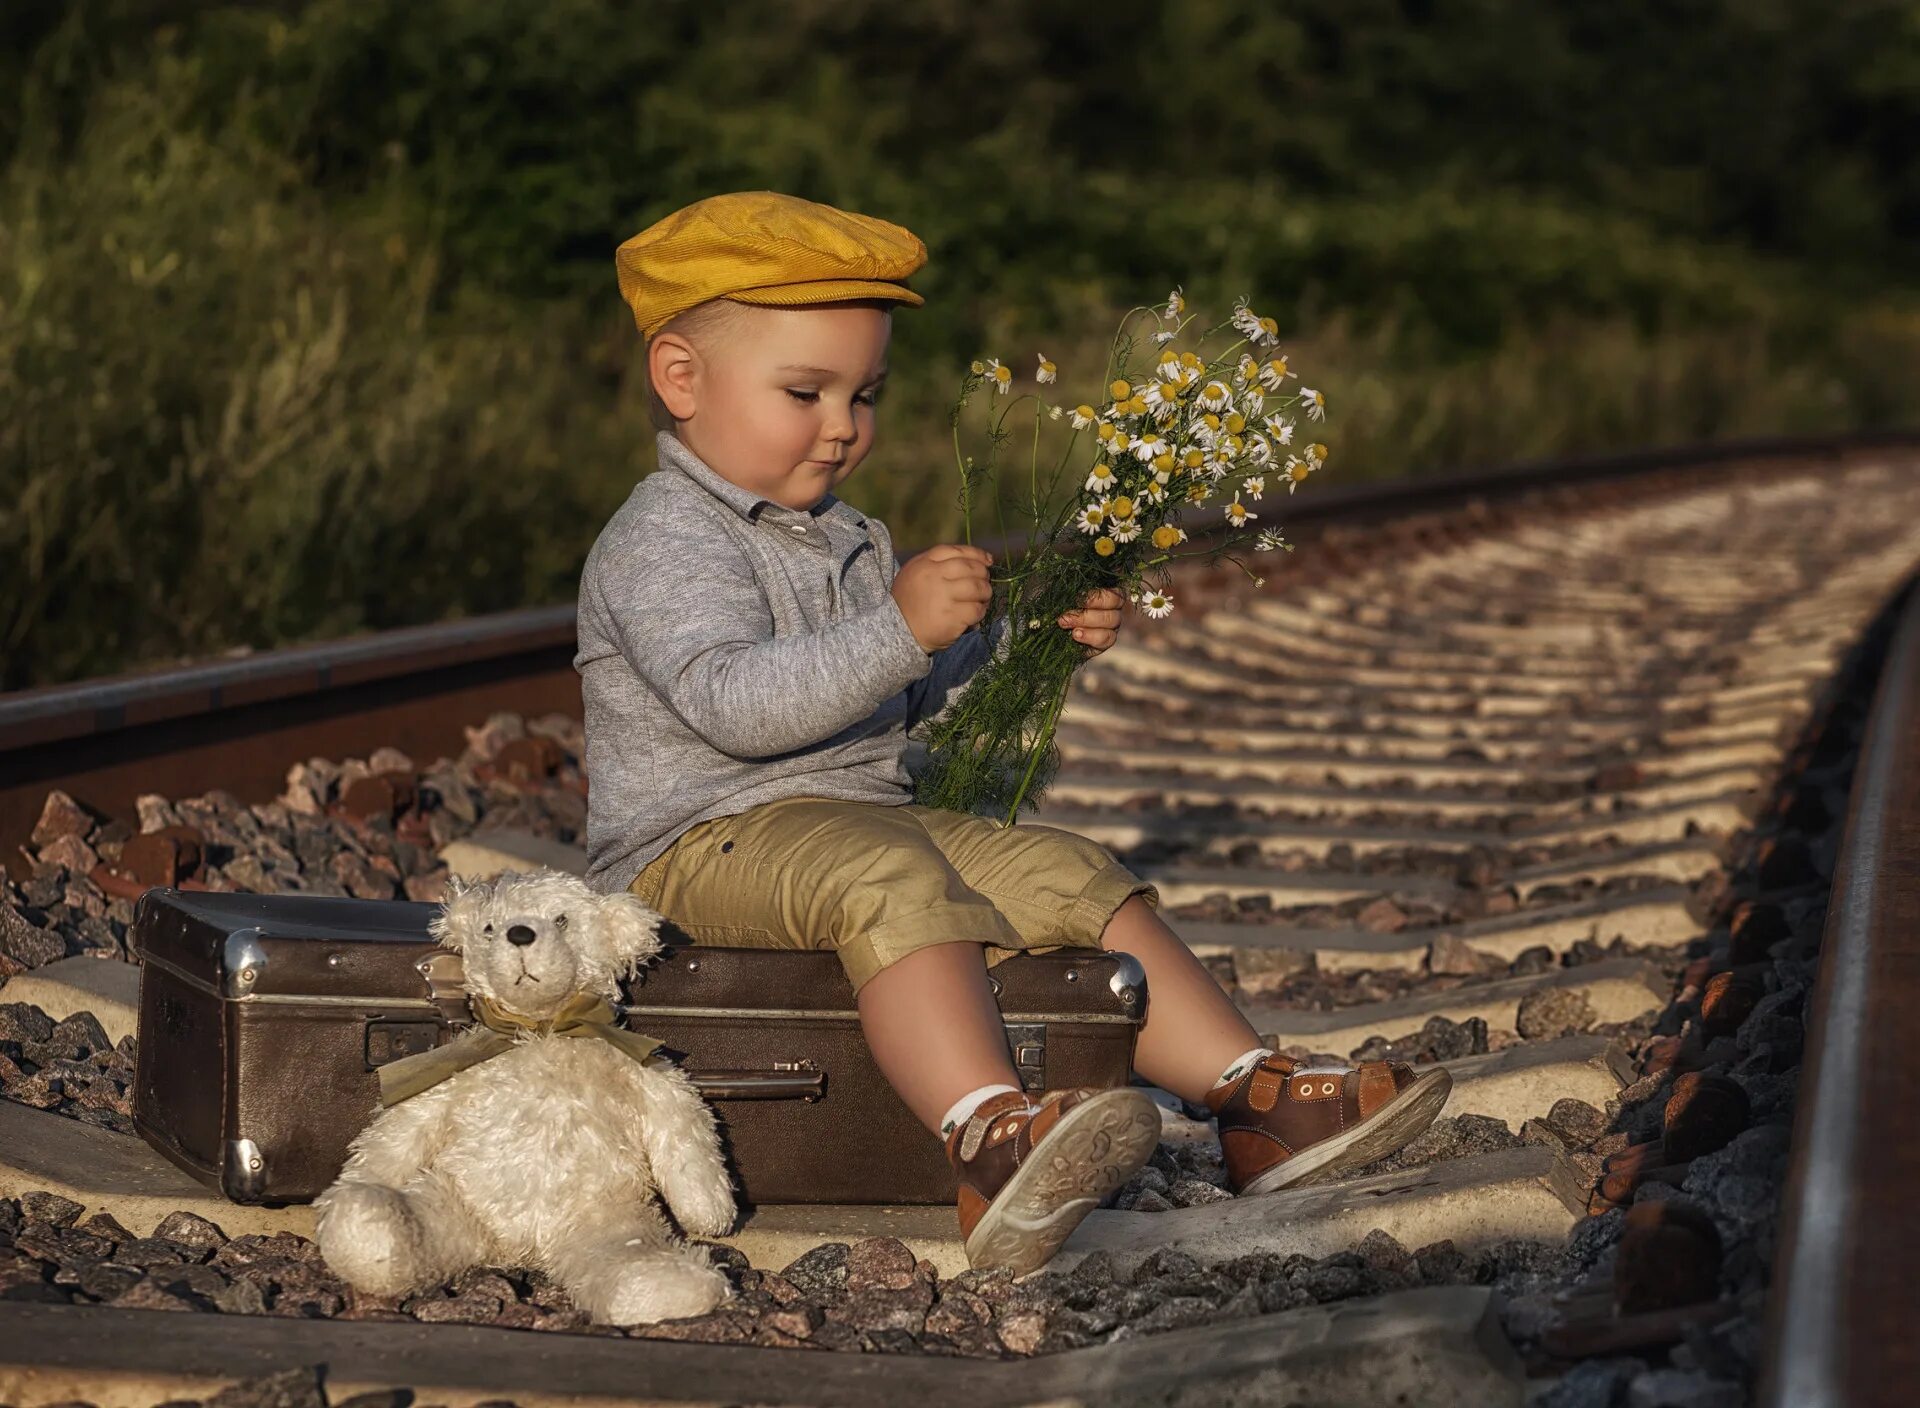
(544, 1150)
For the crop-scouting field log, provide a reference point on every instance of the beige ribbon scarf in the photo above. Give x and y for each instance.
(583, 1015)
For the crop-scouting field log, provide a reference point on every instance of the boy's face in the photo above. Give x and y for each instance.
(784, 403)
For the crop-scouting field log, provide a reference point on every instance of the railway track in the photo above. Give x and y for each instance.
(1550, 777)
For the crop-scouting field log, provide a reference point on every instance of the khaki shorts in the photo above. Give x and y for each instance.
(876, 882)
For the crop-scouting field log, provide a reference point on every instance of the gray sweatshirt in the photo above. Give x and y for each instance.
(732, 651)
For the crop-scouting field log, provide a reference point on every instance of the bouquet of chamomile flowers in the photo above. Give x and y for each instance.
(1179, 435)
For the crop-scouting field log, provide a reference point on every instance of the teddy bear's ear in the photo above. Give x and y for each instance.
(458, 913)
(629, 932)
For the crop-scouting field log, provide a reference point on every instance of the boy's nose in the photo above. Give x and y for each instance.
(520, 934)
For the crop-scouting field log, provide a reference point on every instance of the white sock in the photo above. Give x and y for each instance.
(963, 1108)
(1238, 1066)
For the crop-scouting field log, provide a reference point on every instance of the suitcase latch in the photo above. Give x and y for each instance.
(1028, 1041)
(389, 1041)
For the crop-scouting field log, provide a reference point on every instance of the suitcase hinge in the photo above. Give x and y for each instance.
(244, 1176)
(1028, 1041)
(446, 975)
(244, 960)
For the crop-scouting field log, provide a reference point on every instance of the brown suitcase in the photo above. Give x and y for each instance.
(265, 1018)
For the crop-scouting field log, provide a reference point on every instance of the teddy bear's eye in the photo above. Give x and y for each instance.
(560, 921)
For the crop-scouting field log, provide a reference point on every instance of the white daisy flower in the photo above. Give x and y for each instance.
(1001, 377)
(1316, 404)
(1154, 603)
(1280, 428)
(1083, 416)
(1273, 372)
(1245, 370)
(1100, 479)
(1154, 492)
(1126, 530)
(1092, 518)
(1238, 513)
(1269, 539)
(1176, 304)
(1259, 449)
(1048, 371)
(1145, 447)
(1253, 400)
(1165, 335)
(1214, 396)
(1253, 486)
(1297, 471)
(1056, 412)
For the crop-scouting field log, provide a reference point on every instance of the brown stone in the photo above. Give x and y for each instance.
(163, 857)
(71, 852)
(381, 794)
(526, 760)
(1451, 954)
(61, 816)
(1383, 916)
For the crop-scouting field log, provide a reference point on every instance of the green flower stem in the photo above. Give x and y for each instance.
(1040, 749)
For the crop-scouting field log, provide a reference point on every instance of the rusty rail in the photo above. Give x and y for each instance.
(1849, 1229)
(236, 723)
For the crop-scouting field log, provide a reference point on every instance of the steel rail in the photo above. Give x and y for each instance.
(1838, 1332)
(237, 722)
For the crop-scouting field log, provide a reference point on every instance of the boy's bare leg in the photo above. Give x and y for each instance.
(1192, 1030)
(935, 1030)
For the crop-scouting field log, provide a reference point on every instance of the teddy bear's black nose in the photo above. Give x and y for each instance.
(520, 934)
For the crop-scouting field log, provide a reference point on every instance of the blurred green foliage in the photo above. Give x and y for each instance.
(308, 322)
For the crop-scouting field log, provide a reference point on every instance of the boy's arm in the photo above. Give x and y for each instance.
(693, 622)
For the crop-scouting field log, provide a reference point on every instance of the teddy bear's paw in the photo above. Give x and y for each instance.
(371, 1239)
(668, 1286)
(704, 1209)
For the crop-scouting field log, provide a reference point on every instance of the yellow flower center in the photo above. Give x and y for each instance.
(1165, 536)
(1210, 420)
(976, 367)
(1084, 412)
(1136, 405)
(1188, 359)
(1269, 327)
(1316, 451)
(1194, 459)
(1236, 423)
(1168, 356)
(1163, 461)
(1102, 470)
(1278, 366)
(1105, 431)
(1300, 471)
(1103, 546)
(1120, 390)
(1215, 391)
(1121, 507)
(1003, 375)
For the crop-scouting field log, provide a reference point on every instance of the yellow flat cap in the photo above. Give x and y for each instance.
(763, 247)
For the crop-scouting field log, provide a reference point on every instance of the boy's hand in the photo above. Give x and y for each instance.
(944, 591)
(1097, 622)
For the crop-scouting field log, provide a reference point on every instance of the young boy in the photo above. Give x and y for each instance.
(751, 656)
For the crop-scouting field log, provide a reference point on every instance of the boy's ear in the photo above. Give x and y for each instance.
(672, 363)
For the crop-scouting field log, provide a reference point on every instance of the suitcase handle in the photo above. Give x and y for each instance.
(786, 1081)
